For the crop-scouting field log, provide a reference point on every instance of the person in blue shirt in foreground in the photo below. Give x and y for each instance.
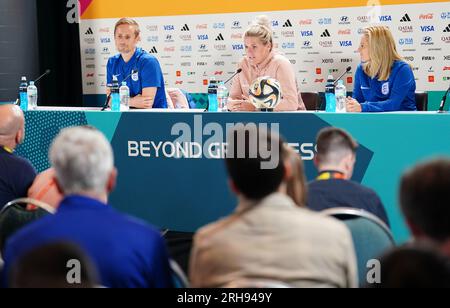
(127, 252)
(383, 81)
(147, 84)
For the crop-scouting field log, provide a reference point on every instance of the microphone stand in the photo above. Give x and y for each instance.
(444, 99)
(42, 76)
(347, 70)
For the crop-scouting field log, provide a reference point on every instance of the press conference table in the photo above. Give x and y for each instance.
(183, 194)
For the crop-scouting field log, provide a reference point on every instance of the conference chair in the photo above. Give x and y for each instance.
(179, 278)
(17, 213)
(311, 100)
(422, 100)
(371, 236)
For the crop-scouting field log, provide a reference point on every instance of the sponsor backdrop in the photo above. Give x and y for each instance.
(196, 40)
(185, 193)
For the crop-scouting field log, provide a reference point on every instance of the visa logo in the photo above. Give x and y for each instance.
(275, 23)
(238, 47)
(306, 33)
(345, 43)
(385, 18)
(427, 28)
(169, 28)
(202, 37)
(105, 40)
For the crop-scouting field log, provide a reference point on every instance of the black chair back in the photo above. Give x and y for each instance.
(311, 100)
(422, 101)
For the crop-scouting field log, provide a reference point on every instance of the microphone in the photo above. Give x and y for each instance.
(347, 70)
(232, 76)
(105, 105)
(42, 76)
(444, 99)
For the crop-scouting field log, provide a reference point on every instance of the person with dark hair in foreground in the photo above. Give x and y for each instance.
(425, 202)
(414, 267)
(268, 236)
(55, 265)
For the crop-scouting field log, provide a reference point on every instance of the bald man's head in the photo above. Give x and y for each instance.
(11, 125)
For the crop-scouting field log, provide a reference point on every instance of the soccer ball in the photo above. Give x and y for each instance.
(265, 93)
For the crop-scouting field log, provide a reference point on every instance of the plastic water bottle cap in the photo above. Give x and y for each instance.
(24, 78)
(31, 83)
(124, 83)
(114, 78)
(341, 82)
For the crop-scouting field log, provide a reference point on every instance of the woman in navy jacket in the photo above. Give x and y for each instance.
(383, 81)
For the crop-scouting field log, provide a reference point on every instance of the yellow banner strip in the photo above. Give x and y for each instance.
(146, 8)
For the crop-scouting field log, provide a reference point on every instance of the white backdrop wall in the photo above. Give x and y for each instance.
(317, 42)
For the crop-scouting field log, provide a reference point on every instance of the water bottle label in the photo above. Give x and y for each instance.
(23, 101)
(115, 105)
(213, 103)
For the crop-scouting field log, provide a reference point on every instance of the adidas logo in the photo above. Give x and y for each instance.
(405, 18)
(185, 28)
(326, 34)
(89, 31)
(447, 29)
(153, 50)
(220, 37)
(287, 24)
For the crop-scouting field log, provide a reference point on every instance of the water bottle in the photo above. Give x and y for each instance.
(124, 92)
(212, 95)
(23, 96)
(32, 96)
(341, 95)
(115, 96)
(222, 97)
(329, 95)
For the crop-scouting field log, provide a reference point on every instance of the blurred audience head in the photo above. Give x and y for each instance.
(12, 126)
(255, 161)
(296, 184)
(425, 200)
(336, 151)
(414, 267)
(54, 265)
(83, 162)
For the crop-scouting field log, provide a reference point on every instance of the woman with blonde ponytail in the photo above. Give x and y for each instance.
(261, 60)
(383, 81)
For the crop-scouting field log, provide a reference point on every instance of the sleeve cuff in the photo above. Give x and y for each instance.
(363, 107)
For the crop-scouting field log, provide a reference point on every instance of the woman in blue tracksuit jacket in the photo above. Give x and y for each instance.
(383, 81)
